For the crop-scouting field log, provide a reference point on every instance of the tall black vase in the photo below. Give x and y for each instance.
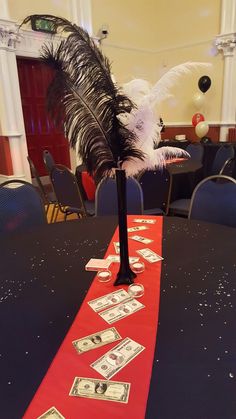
(125, 274)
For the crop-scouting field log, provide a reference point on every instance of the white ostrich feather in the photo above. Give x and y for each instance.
(154, 160)
(137, 90)
(144, 122)
(161, 90)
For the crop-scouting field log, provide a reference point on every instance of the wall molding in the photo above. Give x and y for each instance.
(211, 124)
(159, 50)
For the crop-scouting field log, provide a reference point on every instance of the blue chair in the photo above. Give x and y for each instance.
(156, 186)
(48, 160)
(68, 194)
(214, 201)
(21, 207)
(48, 197)
(223, 154)
(196, 151)
(106, 197)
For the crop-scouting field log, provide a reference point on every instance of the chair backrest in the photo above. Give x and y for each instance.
(223, 154)
(35, 174)
(214, 200)
(106, 197)
(66, 188)
(196, 151)
(48, 160)
(78, 173)
(229, 168)
(21, 207)
(155, 185)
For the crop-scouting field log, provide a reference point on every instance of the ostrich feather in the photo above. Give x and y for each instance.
(143, 121)
(137, 89)
(161, 90)
(85, 99)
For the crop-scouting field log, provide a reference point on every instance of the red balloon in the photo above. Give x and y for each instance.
(197, 117)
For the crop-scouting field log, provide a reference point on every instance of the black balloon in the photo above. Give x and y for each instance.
(204, 83)
(205, 140)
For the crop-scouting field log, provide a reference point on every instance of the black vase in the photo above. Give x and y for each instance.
(125, 275)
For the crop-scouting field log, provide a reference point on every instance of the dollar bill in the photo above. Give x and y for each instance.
(117, 358)
(109, 300)
(52, 413)
(93, 388)
(120, 311)
(116, 258)
(87, 343)
(141, 239)
(138, 228)
(145, 221)
(149, 255)
(117, 247)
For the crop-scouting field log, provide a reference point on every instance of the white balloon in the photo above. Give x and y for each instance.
(199, 100)
(201, 129)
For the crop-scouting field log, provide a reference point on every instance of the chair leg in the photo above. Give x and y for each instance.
(57, 209)
(53, 217)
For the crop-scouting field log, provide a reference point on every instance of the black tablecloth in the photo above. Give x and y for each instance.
(43, 283)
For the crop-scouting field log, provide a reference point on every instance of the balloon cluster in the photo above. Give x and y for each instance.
(198, 120)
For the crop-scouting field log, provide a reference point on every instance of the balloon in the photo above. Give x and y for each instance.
(197, 117)
(204, 83)
(201, 129)
(205, 140)
(199, 100)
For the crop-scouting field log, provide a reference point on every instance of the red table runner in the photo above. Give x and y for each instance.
(140, 326)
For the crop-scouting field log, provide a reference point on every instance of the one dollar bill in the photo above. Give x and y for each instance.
(117, 358)
(93, 388)
(112, 315)
(87, 343)
(108, 300)
(149, 255)
(52, 413)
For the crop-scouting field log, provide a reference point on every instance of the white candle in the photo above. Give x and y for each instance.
(136, 288)
(104, 274)
(138, 265)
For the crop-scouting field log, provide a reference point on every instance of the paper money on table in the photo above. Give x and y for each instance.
(149, 255)
(117, 358)
(52, 413)
(108, 300)
(117, 247)
(141, 239)
(96, 340)
(92, 388)
(116, 258)
(138, 228)
(112, 315)
(143, 220)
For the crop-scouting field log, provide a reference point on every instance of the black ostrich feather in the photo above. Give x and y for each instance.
(84, 98)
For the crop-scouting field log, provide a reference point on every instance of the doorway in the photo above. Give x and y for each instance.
(41, 133)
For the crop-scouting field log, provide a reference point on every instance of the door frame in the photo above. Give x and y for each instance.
(13, 45)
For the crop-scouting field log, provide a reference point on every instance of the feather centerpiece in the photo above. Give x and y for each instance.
(84, 96)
